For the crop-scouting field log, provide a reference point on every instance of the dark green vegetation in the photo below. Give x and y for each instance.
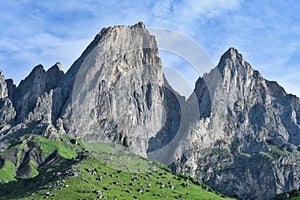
(293, 195)
(33, 167)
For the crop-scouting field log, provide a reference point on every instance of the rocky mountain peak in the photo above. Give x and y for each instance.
(116, 89)
(119, 34)
(30, 90)
(243, 117)
(232, 54)
(35, 75)
(37, 69)
(230, 80)
(139, 25)
(53, 76)
(56, 67)
(233, 60)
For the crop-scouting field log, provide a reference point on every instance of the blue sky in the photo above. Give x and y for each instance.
(266, 32)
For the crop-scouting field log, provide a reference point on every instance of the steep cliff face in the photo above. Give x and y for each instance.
(118, 89)
(246, 139)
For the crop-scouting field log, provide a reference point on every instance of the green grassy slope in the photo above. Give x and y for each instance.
(94, 171)
(24, 155)
(7, 172)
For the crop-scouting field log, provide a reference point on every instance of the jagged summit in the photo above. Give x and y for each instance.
(232, 59)
(137, 25)
(37, 68)
(135, 32)
(36, 71)
(56, 67)
(109, 30)
(232, 54)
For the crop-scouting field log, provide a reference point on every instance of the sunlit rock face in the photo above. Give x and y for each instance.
(117, 93)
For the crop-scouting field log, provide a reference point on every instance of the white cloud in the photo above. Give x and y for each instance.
(192, 9)
(9, 45)
(185, 15)
(34, 32)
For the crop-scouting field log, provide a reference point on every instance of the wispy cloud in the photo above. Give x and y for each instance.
(267, 33)
(187, 16)
(48, 31)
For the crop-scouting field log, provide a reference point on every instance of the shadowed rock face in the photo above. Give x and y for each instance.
(237, 132)
(30, 91)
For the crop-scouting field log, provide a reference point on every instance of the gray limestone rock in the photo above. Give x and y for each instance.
(244, 141)
(32, 101)
(7, 112)
(117, 91)
(42, 110)
(30, 91)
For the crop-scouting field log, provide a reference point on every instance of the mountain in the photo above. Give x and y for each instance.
(246, 140)
(238, 132)
(112, 93)
(117, 92)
